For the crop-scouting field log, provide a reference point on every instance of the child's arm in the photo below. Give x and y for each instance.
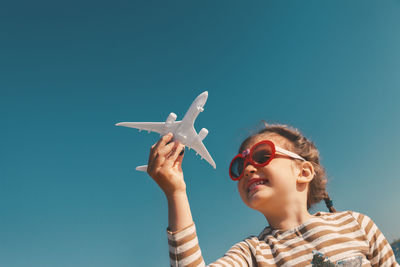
(165, 167)
(380, 251)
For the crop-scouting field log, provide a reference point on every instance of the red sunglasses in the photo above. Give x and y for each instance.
(259, 155)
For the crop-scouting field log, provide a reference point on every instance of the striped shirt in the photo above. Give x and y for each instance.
(344, 238)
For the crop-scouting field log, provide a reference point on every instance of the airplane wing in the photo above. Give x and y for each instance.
(199, 147)
(158, 127)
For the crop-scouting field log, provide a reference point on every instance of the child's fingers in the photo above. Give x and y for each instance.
(154, 151)
(166, 150)
(163, 140)
(178, 162)
(170, 161)
(157, 157)
(162, 155)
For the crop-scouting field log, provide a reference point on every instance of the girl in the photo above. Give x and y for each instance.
(278, 174)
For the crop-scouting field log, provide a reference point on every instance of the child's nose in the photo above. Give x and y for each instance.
(249, 169)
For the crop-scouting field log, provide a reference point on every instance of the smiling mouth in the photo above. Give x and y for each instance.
(255, 184)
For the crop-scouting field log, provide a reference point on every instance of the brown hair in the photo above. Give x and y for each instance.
(305, 148)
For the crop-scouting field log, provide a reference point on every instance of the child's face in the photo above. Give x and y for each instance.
(278, 179)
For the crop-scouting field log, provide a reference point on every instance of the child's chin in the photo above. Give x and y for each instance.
(259, 192)
(257, 199)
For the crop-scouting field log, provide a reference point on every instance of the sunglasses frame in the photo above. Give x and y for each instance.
(247, 155)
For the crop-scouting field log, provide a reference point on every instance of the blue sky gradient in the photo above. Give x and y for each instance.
(69, 195)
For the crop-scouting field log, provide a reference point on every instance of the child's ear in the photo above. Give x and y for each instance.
(306, 173)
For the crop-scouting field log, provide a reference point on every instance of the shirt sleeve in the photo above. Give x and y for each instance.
(184, 250)
(380, 251)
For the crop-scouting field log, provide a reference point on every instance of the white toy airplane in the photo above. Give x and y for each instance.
(183, 130)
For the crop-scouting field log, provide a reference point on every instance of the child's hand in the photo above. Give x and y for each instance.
(165, 165)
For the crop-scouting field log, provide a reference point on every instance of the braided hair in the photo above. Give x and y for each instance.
(305, 148)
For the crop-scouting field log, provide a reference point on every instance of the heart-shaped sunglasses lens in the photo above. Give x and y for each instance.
(261, 153)
(236, 168)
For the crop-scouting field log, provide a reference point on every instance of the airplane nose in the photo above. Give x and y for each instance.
(204, 95)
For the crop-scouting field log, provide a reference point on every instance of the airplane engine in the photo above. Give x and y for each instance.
(203, 133)
(171, 118)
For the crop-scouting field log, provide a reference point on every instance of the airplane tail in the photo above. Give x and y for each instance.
(142, 168)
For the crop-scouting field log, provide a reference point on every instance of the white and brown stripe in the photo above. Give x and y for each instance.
(339, 236)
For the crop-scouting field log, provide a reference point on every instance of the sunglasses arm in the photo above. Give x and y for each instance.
(289, 153)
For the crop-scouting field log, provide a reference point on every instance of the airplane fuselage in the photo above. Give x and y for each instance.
(194, 110)
(188, 120)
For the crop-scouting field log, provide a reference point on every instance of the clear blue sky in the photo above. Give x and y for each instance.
(69, 195)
